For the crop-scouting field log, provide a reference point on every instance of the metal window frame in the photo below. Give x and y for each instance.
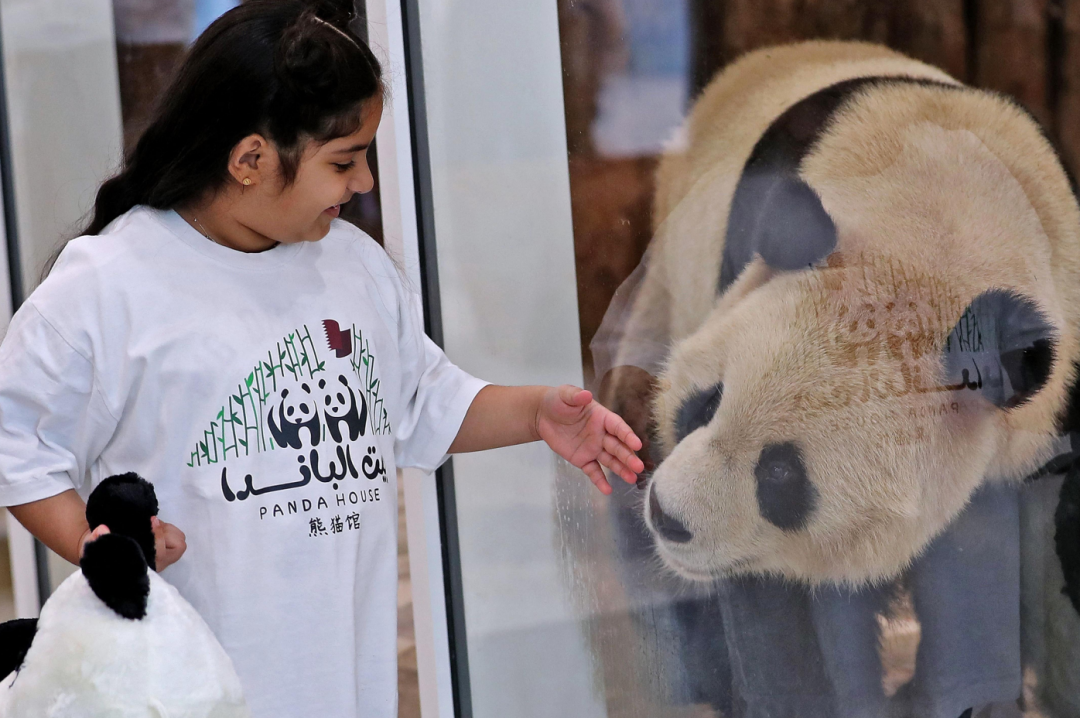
(429, 274)
(409, 231)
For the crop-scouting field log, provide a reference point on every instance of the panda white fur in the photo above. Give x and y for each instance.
(115, 639)
(870, 278)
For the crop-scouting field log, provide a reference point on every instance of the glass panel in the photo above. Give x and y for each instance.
(840, 301)
(828, 534)
(493, 95)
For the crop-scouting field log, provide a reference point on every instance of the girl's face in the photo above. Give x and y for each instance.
(328, 175)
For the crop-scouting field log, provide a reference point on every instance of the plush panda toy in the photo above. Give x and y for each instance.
(115, 639)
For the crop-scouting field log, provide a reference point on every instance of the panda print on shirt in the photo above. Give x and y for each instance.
(314, 397)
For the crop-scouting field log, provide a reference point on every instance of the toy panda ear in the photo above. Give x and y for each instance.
(1003, 346)
(780, 218)
(125, 503)
(116, 570)
(15, 639)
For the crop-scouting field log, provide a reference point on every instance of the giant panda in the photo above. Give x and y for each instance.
(115, 639)
(869, 277)
(851, 345)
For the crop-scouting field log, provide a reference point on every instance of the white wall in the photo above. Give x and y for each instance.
(64, 113)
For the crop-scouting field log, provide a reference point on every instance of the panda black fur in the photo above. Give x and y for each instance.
(115, 638)
(875, 271)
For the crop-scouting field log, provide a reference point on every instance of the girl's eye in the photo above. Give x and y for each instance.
(344, 167)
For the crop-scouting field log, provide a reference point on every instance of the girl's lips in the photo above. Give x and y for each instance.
(333, 211)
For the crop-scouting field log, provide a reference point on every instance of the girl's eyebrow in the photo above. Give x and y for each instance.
(350, 150)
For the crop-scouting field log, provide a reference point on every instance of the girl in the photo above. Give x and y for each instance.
(222, 334)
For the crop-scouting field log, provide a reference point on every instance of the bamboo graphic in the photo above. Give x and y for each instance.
(363, 364)
(247, 409)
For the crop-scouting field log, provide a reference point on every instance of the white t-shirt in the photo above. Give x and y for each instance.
(269, 398)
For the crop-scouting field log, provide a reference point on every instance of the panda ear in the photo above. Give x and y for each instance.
(15, 639)
(793, 231)
(125, 503)
(116, 570)
(779, 217)
(1003, 346)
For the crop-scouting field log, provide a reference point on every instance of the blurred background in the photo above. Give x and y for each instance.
(631, 67)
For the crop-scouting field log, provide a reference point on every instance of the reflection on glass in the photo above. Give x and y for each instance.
(845, 317)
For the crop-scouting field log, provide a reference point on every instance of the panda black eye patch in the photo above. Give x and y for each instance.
(786, 498)
(697, 411)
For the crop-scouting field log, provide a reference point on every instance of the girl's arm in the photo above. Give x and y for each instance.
(59, 522)
(577, 428)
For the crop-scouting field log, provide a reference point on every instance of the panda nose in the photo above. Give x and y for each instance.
(667, 526)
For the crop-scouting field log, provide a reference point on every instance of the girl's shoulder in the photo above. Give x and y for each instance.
(125, 241)
(91, 276)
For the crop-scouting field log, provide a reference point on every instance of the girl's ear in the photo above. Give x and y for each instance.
(250, 159)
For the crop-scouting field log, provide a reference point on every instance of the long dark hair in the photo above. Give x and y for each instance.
(291, 70)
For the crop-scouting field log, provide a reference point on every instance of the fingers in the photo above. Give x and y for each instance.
(617, 467)
(160, 548)
(614, 424)
(596, 475)
(89, 536)
(622, 452)
(170, 543)
(175, 540)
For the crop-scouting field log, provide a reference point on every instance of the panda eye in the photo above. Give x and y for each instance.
(697, 411)
(786, 497)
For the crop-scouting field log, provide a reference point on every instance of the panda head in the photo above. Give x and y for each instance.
(115, 637)
(299, 404)
(125, 504)
(337, 397)
(824, 424)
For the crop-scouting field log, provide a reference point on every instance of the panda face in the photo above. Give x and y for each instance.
(298, 403)
(810, 430)
(338, 399)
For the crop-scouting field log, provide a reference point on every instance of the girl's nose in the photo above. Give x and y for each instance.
(363, 182)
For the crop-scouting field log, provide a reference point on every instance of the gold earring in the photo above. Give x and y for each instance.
(247, 181)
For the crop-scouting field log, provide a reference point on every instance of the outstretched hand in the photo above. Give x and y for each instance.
(588, 435)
